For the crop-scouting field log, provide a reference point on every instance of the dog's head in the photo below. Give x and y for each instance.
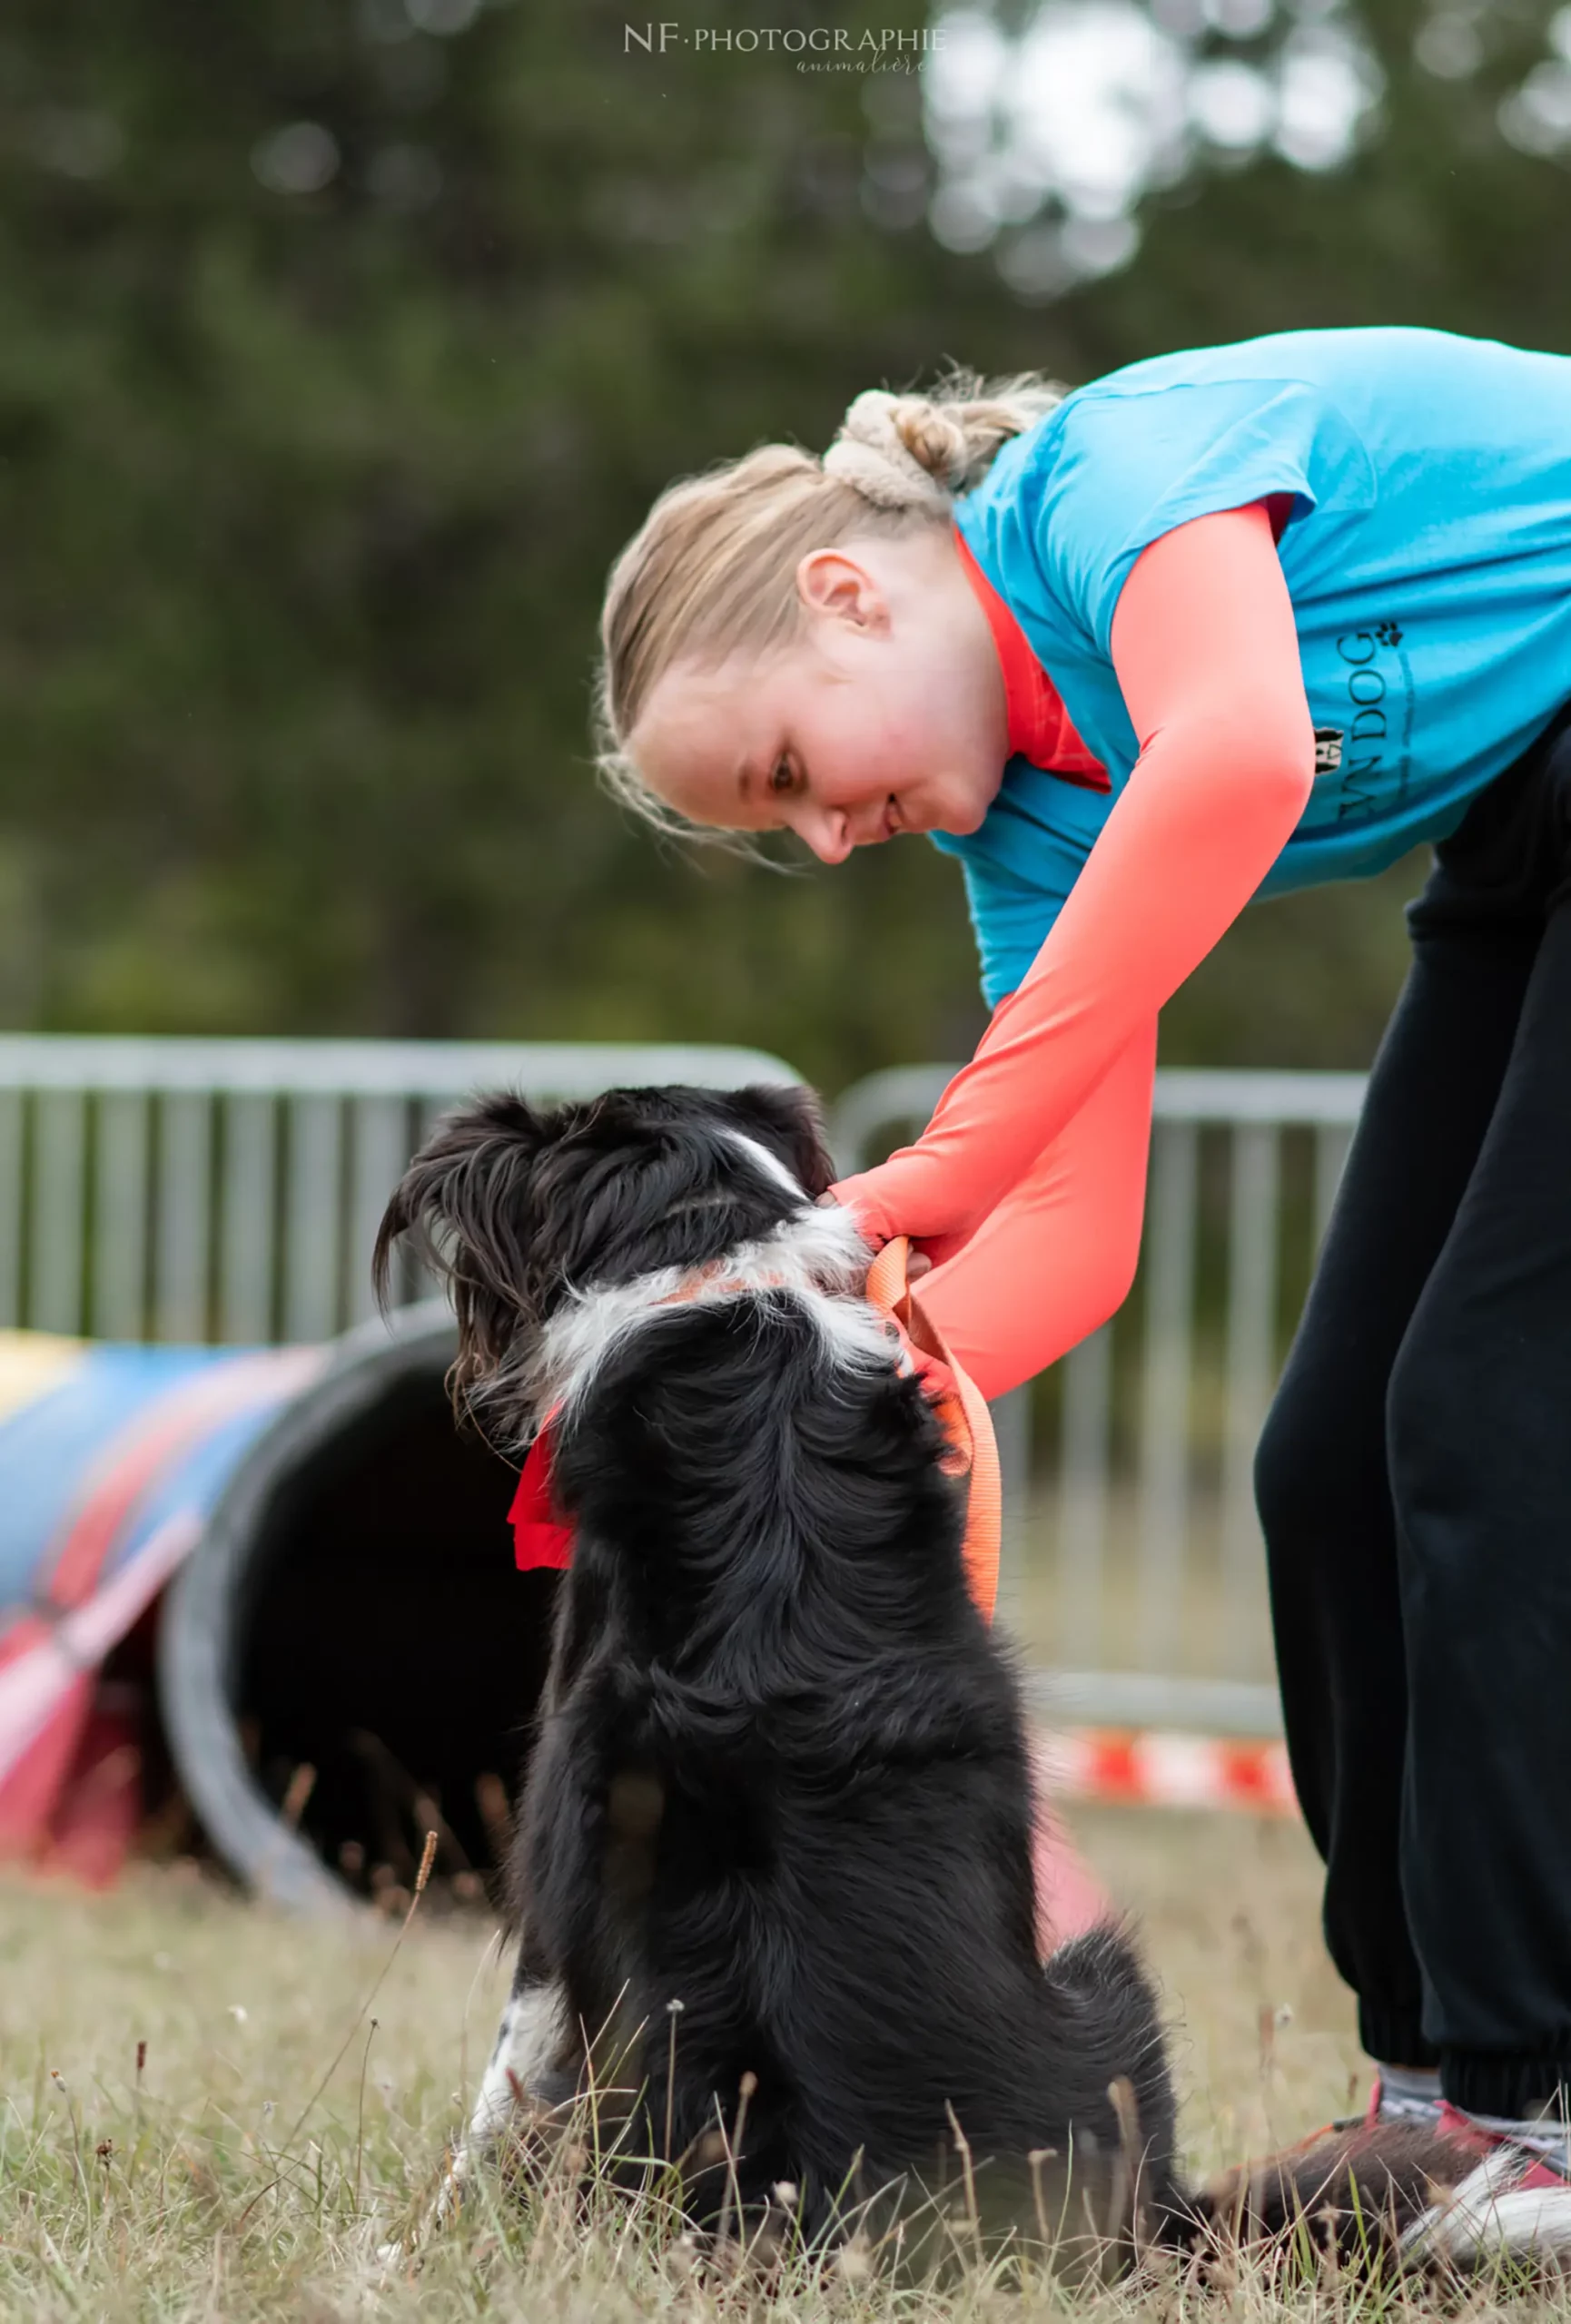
(524, 1210)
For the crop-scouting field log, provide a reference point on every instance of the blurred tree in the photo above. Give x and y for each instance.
(341, 346)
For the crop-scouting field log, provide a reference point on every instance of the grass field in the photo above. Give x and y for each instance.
(278, 2127)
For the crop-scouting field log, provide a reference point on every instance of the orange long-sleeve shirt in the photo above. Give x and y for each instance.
(1206, 655)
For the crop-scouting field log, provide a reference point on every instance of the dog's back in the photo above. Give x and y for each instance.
(801, 1758)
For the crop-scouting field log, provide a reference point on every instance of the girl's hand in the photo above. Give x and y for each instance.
(916, 1266)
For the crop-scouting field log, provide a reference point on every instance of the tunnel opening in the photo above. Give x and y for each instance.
(389, 1646)
(351, 1659)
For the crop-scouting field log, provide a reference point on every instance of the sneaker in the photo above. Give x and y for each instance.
(1514, 2203)
(1544, 2156)
(1385, 2107)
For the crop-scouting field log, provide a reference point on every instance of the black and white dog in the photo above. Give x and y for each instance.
(781, 1783)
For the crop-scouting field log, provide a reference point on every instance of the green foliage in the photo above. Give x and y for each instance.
(307, 499)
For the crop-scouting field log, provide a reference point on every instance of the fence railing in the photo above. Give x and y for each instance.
(179, 1189)
(1134, 1561)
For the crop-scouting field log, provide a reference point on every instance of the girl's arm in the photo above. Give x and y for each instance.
(1206, 657)
(1057, 1257)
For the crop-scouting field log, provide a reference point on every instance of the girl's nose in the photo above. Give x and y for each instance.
(827, 831)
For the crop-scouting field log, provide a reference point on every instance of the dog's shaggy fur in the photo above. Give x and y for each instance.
(773, 1865)
(780, 1794)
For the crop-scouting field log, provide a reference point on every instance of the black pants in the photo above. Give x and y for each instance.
(1414, 1482)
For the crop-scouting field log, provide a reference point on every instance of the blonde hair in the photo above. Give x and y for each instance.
(713, 566)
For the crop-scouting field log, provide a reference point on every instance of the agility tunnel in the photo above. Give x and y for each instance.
(261, 1604)
(258, 1601)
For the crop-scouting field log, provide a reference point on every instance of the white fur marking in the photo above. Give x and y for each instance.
(529, 2040)
(1489, 2216)
(818, 1257)
(770, 1164)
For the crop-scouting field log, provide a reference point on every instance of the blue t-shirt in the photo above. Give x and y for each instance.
(1427, 556)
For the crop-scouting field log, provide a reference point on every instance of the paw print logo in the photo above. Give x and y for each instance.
(1388, 633)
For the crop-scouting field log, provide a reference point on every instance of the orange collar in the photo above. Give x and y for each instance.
(541, 1539)
(1040, 727)
(962, 1413)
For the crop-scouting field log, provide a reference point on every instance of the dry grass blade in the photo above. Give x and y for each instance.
(427, 1857)
(733, 2195)
(967, 2176)
(296, 1795)
(673, 2012)
(1130, 2153)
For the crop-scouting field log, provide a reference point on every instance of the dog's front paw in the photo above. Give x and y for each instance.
(527, 2070)
(525, 2089)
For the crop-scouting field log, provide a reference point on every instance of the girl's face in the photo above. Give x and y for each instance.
(884, 713)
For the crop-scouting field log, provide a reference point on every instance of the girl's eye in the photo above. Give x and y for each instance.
(781, 777)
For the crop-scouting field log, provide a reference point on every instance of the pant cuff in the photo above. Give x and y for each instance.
(1395, 2036)
(1503, 2082)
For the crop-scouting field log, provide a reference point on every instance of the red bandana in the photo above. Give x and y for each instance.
(1040, 727)
(540, 1537)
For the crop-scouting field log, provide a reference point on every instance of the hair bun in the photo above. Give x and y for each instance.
(894, 451)
(920, 451)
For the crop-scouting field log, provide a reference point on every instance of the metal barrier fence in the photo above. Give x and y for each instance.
(1135, 1565)
(176, 1189)
(179, 1189)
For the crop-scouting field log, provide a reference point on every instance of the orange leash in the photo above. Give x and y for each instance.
(962, 1413)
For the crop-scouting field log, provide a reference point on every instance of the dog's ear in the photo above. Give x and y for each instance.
(465, 1204)
(786, 1118)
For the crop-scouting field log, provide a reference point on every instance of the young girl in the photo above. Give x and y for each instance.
(1228, 623)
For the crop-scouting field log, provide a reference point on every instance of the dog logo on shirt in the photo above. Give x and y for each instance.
(1361, 764)
(1328, 743)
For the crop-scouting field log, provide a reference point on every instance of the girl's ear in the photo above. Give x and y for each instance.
(835, 587)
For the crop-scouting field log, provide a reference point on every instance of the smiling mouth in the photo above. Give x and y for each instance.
(891, 818)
